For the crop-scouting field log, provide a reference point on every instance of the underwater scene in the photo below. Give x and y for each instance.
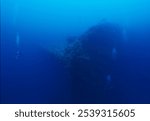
(75, 52)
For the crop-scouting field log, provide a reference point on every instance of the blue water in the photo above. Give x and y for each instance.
(35, 35)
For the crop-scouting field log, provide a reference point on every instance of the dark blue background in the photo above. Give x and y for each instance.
(36, 74)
